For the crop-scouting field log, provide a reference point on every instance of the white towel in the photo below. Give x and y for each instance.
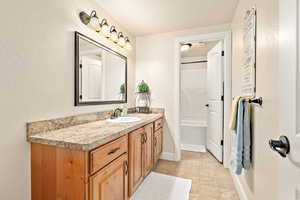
(234, 107)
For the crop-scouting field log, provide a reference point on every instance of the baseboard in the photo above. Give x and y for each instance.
(239, 187)
(193, 147)
(167, 156)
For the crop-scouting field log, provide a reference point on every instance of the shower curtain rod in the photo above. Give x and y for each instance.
(193, 62)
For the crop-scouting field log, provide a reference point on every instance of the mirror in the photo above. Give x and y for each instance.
(100, 73)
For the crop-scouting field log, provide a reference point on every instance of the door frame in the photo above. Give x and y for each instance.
(226, 37)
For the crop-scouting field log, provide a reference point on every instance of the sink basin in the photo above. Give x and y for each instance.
(124, 120)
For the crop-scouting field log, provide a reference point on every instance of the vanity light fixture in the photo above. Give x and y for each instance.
(113, 34)
(121, 39)
(92, 20)
(185, 47)
(127, 44)
(105, 28)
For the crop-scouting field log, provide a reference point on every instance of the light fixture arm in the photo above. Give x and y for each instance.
(104, 21)
(112, 28)
(93, 14)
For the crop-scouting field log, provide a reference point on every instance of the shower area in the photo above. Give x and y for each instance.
(194, 91)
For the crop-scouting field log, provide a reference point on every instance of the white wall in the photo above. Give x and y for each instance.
(260, 182)
(155, 56)
(37, 77)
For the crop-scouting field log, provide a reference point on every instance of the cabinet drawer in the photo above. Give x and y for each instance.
(158, 124)
(107, 153)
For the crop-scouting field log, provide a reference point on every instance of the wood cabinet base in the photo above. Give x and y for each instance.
(58, 173)
(110, 172)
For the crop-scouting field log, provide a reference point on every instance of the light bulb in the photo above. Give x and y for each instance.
(121, 40)
(113, 34)
(105, 28)
(185, 47)
(94, 21)
(127, 44)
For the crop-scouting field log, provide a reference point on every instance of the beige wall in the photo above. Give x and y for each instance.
(260, 181)
(37, 77)
(155, 64)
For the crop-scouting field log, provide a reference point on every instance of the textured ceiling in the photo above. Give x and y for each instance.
(142, 17)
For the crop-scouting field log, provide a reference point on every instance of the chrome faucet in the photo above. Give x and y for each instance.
(116, 113)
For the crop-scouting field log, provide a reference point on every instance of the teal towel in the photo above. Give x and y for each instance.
(240, 157)
(247, 136)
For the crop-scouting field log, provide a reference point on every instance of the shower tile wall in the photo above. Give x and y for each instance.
(193, 100)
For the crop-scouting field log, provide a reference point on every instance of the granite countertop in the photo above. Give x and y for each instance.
(91, 135)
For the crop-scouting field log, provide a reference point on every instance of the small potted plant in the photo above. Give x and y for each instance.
(143, 97)
(122, 91)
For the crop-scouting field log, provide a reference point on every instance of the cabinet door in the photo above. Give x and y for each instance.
(157, 147)
(147, 149)
(135, 159)
(111, 182)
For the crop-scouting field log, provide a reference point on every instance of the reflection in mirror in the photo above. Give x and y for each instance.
(101, 73)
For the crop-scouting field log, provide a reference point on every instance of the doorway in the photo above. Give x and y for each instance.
(200, 114)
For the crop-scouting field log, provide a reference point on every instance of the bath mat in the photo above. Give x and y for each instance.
(158, 186)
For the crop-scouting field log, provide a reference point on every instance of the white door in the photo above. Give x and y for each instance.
(215, 102)
(289, 98)
(91, 73)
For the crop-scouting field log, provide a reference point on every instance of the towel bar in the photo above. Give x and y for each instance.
(258, 100)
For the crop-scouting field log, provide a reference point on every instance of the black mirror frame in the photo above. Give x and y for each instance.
(77, 67)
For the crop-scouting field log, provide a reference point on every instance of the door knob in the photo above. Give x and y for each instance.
(281, 146)
(207, 105)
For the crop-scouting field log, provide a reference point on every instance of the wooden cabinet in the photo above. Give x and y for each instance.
(136, 139)
(112, 171)
(111, 182)
(58, 173)
(157, 144)
(105, 154)
(148, 149)
(158, 124)
(141, 155)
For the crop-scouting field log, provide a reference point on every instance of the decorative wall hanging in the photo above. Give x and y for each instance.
(249, 54)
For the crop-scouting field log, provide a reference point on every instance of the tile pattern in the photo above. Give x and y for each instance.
(91, 135)
(65, 122)
(210, 181)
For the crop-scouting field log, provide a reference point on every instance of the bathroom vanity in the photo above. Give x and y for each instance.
(98, 160)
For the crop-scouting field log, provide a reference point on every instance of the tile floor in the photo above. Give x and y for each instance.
(210, 181)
